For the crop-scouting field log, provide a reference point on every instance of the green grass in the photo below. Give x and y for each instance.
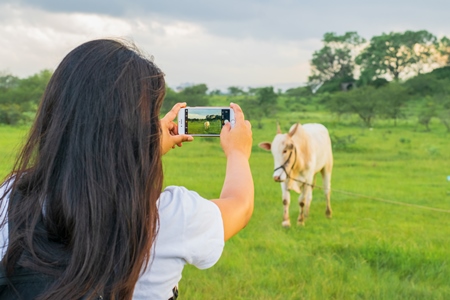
(11, 139)
(368, 250)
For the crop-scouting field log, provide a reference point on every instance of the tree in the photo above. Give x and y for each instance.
(396, 54)
(442, 101)
(361, 101)
(253, 111)
(443, 112)
(432, 83)
(262, 104)
(297, 98)
(391, 99)
(299, 92)
(427, 111)
(335, 60)
(444, 50)
(8, 81)
(193, 95)
(368, 102)
(423, 85)
(235, 91)
(170, 99)
(252, 91)
(32, 88)
(215, 92)
(337, 103)
(267, 100)
(441, 73)
(19, 98)
(378, 82)
(423, 48)
(198, 89)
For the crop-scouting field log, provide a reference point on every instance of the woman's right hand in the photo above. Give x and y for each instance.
(239, 138)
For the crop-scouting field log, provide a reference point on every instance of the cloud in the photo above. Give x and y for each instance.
(35, 39)
(220, 43)
(272, 19)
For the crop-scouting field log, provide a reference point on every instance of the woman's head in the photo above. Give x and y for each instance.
(92, 163)
(101, 90)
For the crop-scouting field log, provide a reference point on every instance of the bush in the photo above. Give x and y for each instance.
(342, 143)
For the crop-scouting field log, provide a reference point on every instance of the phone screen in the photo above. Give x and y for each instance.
(205, 120)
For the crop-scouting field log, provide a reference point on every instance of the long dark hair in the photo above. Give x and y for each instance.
(91, 173)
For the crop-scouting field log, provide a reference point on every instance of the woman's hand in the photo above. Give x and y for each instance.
(239, 138)
(169, 128)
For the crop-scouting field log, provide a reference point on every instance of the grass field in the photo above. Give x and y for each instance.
(11, 139)
(370, 249)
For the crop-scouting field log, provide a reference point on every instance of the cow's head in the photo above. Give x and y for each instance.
(283, 151)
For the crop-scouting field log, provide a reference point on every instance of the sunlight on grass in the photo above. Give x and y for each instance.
(369, 250)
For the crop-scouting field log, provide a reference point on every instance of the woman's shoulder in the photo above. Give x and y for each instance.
(5, 191)
(175, 191)
(6, 185)
(179, 195)
(180, 199)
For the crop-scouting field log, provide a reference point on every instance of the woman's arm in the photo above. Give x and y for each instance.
(237, 196)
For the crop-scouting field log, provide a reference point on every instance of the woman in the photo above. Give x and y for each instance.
(84, 205)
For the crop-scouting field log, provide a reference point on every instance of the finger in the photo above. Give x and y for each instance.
(249, 125)
(178, 139)
(238, 113)
(173, 128)
(173, 113)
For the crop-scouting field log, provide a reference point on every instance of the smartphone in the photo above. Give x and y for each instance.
(204, 120)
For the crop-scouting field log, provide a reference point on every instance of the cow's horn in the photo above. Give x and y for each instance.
(278, 128)
(291, 133)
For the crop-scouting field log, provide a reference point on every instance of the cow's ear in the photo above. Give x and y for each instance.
(292, 132)
(265, 146)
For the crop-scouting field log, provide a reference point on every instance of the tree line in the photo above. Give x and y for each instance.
(19, 98)
(380, 78)
(389, 56)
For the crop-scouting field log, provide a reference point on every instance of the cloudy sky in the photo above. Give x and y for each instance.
(245, 43)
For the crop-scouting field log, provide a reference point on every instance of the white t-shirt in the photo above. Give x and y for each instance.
(191, 232)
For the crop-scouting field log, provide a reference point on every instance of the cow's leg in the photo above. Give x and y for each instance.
(308, 198)
(301, 203)
(286, 201)
(326, 178)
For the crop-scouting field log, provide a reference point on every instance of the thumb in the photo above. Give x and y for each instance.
(226, 127)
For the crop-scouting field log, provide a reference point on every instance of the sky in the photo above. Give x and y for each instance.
(243, 43)
(202, 113)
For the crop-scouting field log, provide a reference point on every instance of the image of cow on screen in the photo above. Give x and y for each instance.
(204, 121)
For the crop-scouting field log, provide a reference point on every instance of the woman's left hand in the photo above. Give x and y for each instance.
(170, 136)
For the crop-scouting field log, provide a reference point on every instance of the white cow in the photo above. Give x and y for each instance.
(206, 125)
(299, 155)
